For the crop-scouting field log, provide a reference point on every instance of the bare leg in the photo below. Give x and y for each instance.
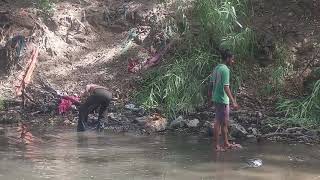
(226, 143)
(224, 128)
(216, 131)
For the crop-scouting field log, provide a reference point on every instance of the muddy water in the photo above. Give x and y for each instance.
(66, 155)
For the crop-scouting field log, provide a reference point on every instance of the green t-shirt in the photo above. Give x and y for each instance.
(220, 78)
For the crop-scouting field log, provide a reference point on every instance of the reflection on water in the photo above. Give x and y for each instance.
(68, 155)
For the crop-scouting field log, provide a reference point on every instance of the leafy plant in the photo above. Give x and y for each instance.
(305, 109)
(46, 7)
(2, 104)
(179, 86)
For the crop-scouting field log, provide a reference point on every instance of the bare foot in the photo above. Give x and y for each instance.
(232, 146)
(220, 149)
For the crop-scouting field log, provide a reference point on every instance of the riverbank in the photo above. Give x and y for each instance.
(245, 125)
(118, 44)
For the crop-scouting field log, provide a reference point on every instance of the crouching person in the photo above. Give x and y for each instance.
(95, 97)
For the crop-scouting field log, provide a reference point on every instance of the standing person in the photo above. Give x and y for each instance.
(95, 97)
(220, 95)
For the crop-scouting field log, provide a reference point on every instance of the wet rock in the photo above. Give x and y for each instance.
(133, 108)
(193, 123)
(312, 133)
(141, 120)
(207, 124)
(10, 117)
(156, 123)
(177, 123)
(238, 131)
(114, 116)
(253, 131)
(139, 110)
(251, 138)
(208, 127)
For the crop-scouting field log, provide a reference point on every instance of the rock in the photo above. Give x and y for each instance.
(208, 127)
(114, 117)
(207, 124)
(130, 106)
(254, 131)
(141, 120)
(252, 138)
(133, 108)
(238, 131)
(193, 123)
(177, 123)
(312, 133)
(293, 49)
(156, 123)
(259, 114)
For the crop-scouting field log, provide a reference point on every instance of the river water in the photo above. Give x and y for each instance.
(63, 154)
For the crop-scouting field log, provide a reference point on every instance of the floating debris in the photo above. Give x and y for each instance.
(254, 163)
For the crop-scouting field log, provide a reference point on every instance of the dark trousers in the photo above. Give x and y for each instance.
(100, 98)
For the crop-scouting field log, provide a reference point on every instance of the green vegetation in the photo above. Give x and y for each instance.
(280, 69)
(2, 105)
(178, 86)
(46, 7)
(181, 85)
(305, 111)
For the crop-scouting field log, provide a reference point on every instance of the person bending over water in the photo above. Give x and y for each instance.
(95, 97)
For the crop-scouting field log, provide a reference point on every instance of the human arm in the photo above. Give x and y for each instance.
(232, 99)
(226, 87)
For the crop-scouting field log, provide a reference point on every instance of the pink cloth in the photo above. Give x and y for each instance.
(66, 103)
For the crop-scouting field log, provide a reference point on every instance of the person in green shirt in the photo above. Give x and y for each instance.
(220, 94)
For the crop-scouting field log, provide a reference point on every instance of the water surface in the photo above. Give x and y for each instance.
(67, 155)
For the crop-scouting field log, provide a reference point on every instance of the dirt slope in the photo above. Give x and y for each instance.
(83, 42)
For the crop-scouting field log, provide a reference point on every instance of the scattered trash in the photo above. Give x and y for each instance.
(134, 66)
(296, 159)
(130, 106)
(66, 103)
(254, 163)
(133, 108)
(17, 42)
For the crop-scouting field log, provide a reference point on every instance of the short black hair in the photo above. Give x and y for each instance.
(225, 53)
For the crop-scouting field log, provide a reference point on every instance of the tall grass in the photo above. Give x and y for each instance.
(279, 70)
(2, 104)
(178, 86)
(46, 7)
(305, 110)
(181, 85)
(222, 25)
